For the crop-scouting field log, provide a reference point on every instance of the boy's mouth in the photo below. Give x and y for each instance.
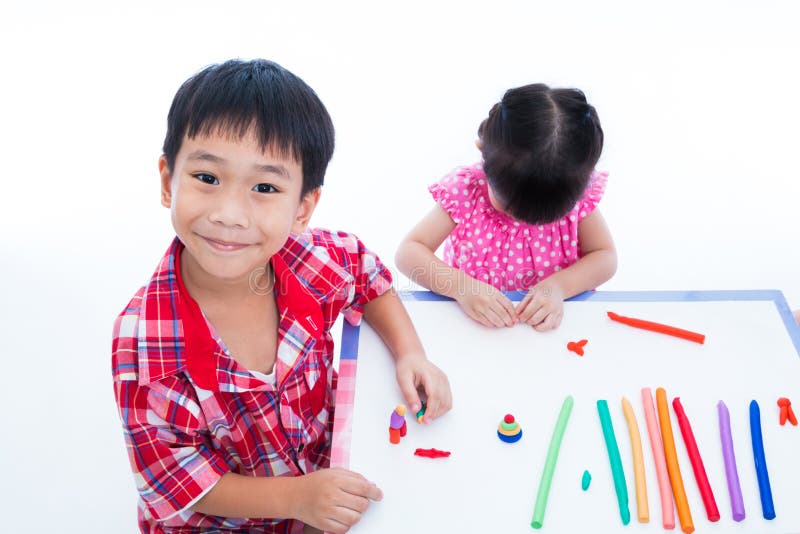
(224, 246)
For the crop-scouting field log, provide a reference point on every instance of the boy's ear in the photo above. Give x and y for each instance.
(166, 182)
(304, 211)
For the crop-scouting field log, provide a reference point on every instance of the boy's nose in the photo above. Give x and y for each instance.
(230, 209)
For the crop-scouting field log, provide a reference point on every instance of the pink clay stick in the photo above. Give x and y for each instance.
(664, 488)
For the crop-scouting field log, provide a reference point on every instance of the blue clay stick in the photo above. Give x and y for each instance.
(767, 507)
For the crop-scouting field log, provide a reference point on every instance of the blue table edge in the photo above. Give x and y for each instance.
(349, 346)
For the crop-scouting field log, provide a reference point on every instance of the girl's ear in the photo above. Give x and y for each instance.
(166, 182)
(305, 210)
(479, 145)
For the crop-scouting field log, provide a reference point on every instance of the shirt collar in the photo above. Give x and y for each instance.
(173, 333)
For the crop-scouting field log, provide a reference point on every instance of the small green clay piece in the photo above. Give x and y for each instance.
(586, 480)
(421, 412)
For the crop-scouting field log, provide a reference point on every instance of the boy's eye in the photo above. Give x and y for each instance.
(206, 178)
(265, 188)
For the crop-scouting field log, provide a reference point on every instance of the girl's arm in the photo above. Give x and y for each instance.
(598, 262)
(387, 315)
(416, 256)
(543, 306)
(417, 260)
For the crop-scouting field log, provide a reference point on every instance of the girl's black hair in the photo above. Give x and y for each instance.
(238, 97)
(539, 147)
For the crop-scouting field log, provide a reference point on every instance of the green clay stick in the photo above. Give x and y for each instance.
(550, 463)
(616, 462)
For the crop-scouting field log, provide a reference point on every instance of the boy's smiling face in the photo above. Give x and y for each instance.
(233, 205)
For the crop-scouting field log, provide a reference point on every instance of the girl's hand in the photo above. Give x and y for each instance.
(416, 372)
(486, 304)
(333, 499)
(542, 307)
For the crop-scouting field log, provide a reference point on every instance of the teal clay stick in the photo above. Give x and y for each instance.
(550, 463)
(616, 462)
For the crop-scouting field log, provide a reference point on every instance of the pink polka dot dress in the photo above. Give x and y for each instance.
(495, 248)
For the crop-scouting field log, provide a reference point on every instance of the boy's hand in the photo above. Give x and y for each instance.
(542, 307)
(415, 372)
(487, 304)
(334, 499)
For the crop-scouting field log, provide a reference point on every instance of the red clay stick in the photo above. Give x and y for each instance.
(697, 462)
(658, 327)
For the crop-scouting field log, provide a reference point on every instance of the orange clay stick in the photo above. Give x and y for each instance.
(658, 327)
(681, 503)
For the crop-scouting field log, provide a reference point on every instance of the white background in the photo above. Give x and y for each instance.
(699, 103)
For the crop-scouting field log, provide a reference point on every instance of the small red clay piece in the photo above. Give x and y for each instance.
(783, 404)
(508, 418)
(432, 453)
(577, 346)
(786, 411)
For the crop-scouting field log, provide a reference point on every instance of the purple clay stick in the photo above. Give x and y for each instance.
(734, 489)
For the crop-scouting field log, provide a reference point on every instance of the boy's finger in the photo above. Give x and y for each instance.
(409, 391)
(440, 398)
(334, 526)
(356, 503)
(362, 488)
(432, 402)
(374, 493)
(431, 410)
(445, 398)
(439, 407)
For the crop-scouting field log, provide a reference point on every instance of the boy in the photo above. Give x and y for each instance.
(222, 364)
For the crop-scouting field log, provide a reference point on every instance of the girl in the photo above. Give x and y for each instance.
(524, 219)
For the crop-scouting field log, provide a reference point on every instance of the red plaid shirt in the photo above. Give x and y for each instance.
(191, 413)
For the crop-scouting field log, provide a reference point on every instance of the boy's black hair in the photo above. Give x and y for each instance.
(237, 97)
(539, 147)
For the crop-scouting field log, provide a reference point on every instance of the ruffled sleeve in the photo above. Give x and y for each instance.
(593, 194)
(457, 192)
